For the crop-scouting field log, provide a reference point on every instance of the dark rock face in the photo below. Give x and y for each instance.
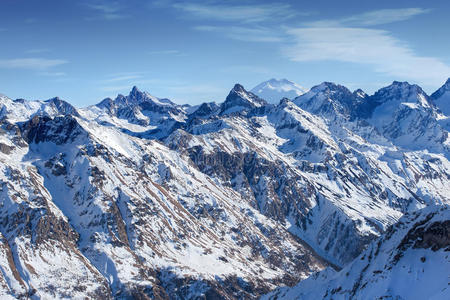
(60, 130)
(241, 100)
(435, 236)
(63, 107)
(415, 249)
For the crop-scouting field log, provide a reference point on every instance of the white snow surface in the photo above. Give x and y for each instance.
(392, 267)
(274, 90)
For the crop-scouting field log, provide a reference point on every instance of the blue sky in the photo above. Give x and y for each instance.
(84, 51)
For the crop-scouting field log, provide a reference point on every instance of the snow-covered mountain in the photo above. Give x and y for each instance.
(410, 261)
(441, 98)
(274, 90)
(140, 197)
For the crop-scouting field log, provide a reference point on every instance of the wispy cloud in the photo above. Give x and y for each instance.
(377, 48)
(31, 63)
(241, 13)
(166, 52)
(53, 74)
(121, 82)
(108, 10)
(122, 78)
(372, 18)
(241, 33)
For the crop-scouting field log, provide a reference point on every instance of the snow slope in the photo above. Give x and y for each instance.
(441, 98)
(410, 261)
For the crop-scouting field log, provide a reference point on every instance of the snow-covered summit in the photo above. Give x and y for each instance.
(401, 92)
(441, 98)
(332, 101)
(135, 97)
(21, 110)
(239, 100)
(274, 90)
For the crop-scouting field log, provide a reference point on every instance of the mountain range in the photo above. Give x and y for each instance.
(140, 197)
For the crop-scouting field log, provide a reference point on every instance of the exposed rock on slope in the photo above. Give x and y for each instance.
(410, 261)
(88, 210)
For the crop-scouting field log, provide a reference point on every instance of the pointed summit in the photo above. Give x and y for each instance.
(441, 98)
(134, 90)
(238, 88)
(137, 96)
(240, 100)
(360, 93)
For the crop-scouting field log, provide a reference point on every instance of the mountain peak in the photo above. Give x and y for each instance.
(395, 82)
(360, 93)
(441, 98)
(333, 101)
(239, 99)
(401, 91)
(238, 88)
(137, 96)
(135, 92)
(327, 87)
(275, 89)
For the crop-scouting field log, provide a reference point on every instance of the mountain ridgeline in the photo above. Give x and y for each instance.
(140, 197)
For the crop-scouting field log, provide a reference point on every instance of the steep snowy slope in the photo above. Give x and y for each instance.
(90, 211)
(239, 101)
(274, 90)
(410, 261)
(313, 176)
(441, 98)
(333, 101)
(404, 114)
(21, 110)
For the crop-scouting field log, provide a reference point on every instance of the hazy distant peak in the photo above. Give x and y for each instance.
(274, 90)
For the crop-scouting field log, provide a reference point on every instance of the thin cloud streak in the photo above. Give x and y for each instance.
(240, 13)
(372, 18)
(254, 34)
(53, 74)
(166, 52)
(122, 78)
(31, 63)
(107, 10)
(373, 47)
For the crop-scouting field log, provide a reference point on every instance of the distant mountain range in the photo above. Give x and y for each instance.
(140, 197)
